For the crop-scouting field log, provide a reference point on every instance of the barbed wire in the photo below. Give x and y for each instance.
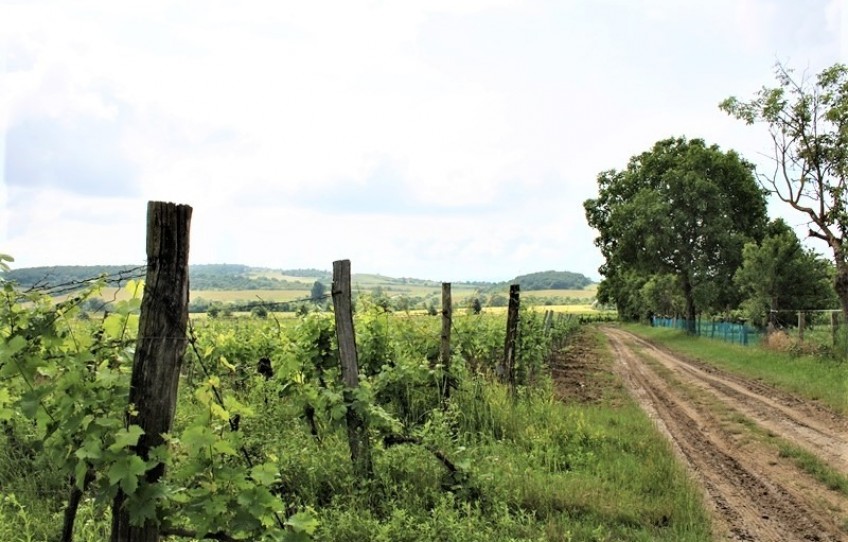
(117, 277)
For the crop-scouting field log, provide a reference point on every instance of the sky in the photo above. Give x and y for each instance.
(445, 139)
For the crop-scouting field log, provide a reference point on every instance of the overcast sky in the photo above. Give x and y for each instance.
(448, 139)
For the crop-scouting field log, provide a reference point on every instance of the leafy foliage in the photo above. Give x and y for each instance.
(69, 384)
(779, 275)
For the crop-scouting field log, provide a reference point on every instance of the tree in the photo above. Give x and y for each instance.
(318, 291)
(682, 208)
(661, 296)
(623, 288)
(808, 125)
(778, 274)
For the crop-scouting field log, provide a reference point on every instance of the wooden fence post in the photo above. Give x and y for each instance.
(357, 427)
(834, 324)
(160, 347)
(801, 323)
(445, 346)
(511, 336)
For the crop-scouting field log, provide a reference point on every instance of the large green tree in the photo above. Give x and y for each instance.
(778, 274)
(807, 121)
(683, 208)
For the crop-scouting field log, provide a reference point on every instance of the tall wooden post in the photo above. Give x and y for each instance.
(549, 320)
(159, 351)
(357, 428)
(445, 346)
(511, 336)
(801, 323)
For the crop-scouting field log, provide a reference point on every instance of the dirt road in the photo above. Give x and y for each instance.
(728, 430)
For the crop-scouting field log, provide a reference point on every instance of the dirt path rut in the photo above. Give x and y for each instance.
(713, 420)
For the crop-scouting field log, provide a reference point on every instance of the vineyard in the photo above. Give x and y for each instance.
(448, 428)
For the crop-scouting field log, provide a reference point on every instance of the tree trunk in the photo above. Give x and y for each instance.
(689, 294)
(840, 280)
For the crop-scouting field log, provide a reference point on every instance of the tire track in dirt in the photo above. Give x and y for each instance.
(818, 431)
(752, 498)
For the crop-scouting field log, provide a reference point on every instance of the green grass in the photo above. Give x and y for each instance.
(817, 468)
(543, 471)
(812, 377)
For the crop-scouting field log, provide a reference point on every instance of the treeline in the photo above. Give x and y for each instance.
(238, 277)
(28, 277)
(684, 228)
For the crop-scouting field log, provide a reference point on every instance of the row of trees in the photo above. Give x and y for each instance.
(684, 228)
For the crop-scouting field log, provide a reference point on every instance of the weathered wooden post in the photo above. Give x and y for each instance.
(511, 336)
(357, 427)
(445, 346)
(159, 351)
(801, 323)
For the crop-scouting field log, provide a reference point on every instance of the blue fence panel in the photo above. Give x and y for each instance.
(725, 331)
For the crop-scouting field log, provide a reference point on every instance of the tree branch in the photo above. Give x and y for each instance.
(394, 440)
(185, 533)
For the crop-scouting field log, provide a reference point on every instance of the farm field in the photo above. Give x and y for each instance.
(589, 292)
(562, 309)
(366, 284)
(769, 455)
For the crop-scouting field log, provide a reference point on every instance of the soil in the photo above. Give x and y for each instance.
(727, 429)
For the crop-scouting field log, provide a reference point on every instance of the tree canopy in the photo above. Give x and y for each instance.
(807, 122)
(683, 208)
(778, 274)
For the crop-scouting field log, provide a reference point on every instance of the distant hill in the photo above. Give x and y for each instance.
(243, 277)
(28, 277)
(202, 277)
(548, 280)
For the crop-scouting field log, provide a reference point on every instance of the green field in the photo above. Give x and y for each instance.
(588, 292)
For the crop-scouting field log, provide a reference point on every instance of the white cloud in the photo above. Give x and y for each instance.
(478, 107)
